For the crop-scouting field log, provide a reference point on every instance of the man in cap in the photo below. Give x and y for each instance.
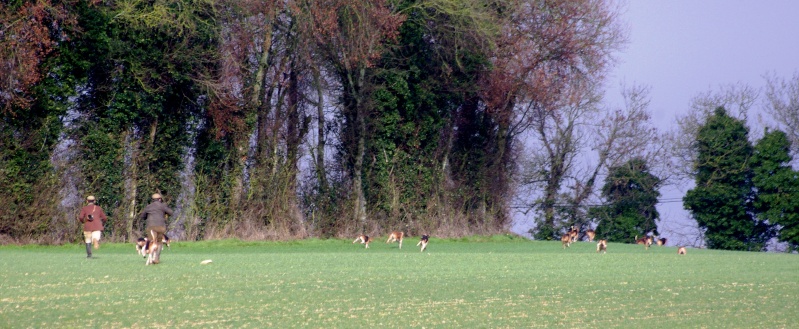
(156, 213)
(93, 218)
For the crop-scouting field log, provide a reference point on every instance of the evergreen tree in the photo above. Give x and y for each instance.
(632, 193)
(777, 186)
(721, 202)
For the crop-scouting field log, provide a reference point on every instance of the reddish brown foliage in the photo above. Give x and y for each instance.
(246, 32)
(354, 32)
(27, 35)
(545, 47)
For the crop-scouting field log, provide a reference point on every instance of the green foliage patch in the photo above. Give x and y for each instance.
(497, 282)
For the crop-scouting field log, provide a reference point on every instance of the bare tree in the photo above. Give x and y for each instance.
(618, 136)
(575, 146)
(551, 58)
(782, 103)
(559, 139)
(738, 99)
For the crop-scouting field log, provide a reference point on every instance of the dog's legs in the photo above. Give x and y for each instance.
(158, 249)
(400, 241)
(152, 249)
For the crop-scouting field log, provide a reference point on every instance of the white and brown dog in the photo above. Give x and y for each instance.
(423, 242)
(574, 233)
(566, 239)
(365, 239)
(590, 234)
(681, 251)
(646, 241)
(143, 245)
(396, 236)
(602, 246)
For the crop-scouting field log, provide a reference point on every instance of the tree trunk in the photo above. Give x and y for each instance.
(241, 142)
(296, 130)
(321, 175)
(131, 183)
(360, 121)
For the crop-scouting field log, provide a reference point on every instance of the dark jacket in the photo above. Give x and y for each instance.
(98, 217)
(155, 213)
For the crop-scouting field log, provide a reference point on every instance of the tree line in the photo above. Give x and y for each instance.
(289, 119)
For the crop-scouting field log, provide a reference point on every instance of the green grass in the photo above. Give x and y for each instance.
(489, 282)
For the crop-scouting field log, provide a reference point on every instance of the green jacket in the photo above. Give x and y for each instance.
(155, 214)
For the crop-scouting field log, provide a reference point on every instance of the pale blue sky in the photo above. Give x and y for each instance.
(681, 48)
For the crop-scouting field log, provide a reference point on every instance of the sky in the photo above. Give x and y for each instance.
(681, 48)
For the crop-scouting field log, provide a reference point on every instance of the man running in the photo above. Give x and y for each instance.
(93, 218)
(156, 214)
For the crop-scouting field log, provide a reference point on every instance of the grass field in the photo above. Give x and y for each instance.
(495, 282)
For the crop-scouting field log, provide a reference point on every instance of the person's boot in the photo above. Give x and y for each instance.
(88, 250)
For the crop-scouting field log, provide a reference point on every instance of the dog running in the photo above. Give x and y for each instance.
(646, 241)
(590, 234)
(566, 239)
(574, 233)
(602, 246)
(143, 245)
(396, 236)
(425, 239)
(154, 248)
(365, 239)
(681, 251)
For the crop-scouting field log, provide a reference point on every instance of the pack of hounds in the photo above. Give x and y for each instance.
(151, 251)
(602, 244)
(395, 236)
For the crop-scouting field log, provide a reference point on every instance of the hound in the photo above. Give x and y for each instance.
(602, 246)
(566, 240)
(425, 239)
(153, 249)
(365, 239)
(590, 234)
(574, 233)
(143, 245)
(661, 242)
(681, 251)
(646, 241)
(396, 236)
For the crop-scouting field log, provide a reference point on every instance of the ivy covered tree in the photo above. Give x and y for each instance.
(777, 186)
(417, 106)
(721, 203)
(632, 194)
